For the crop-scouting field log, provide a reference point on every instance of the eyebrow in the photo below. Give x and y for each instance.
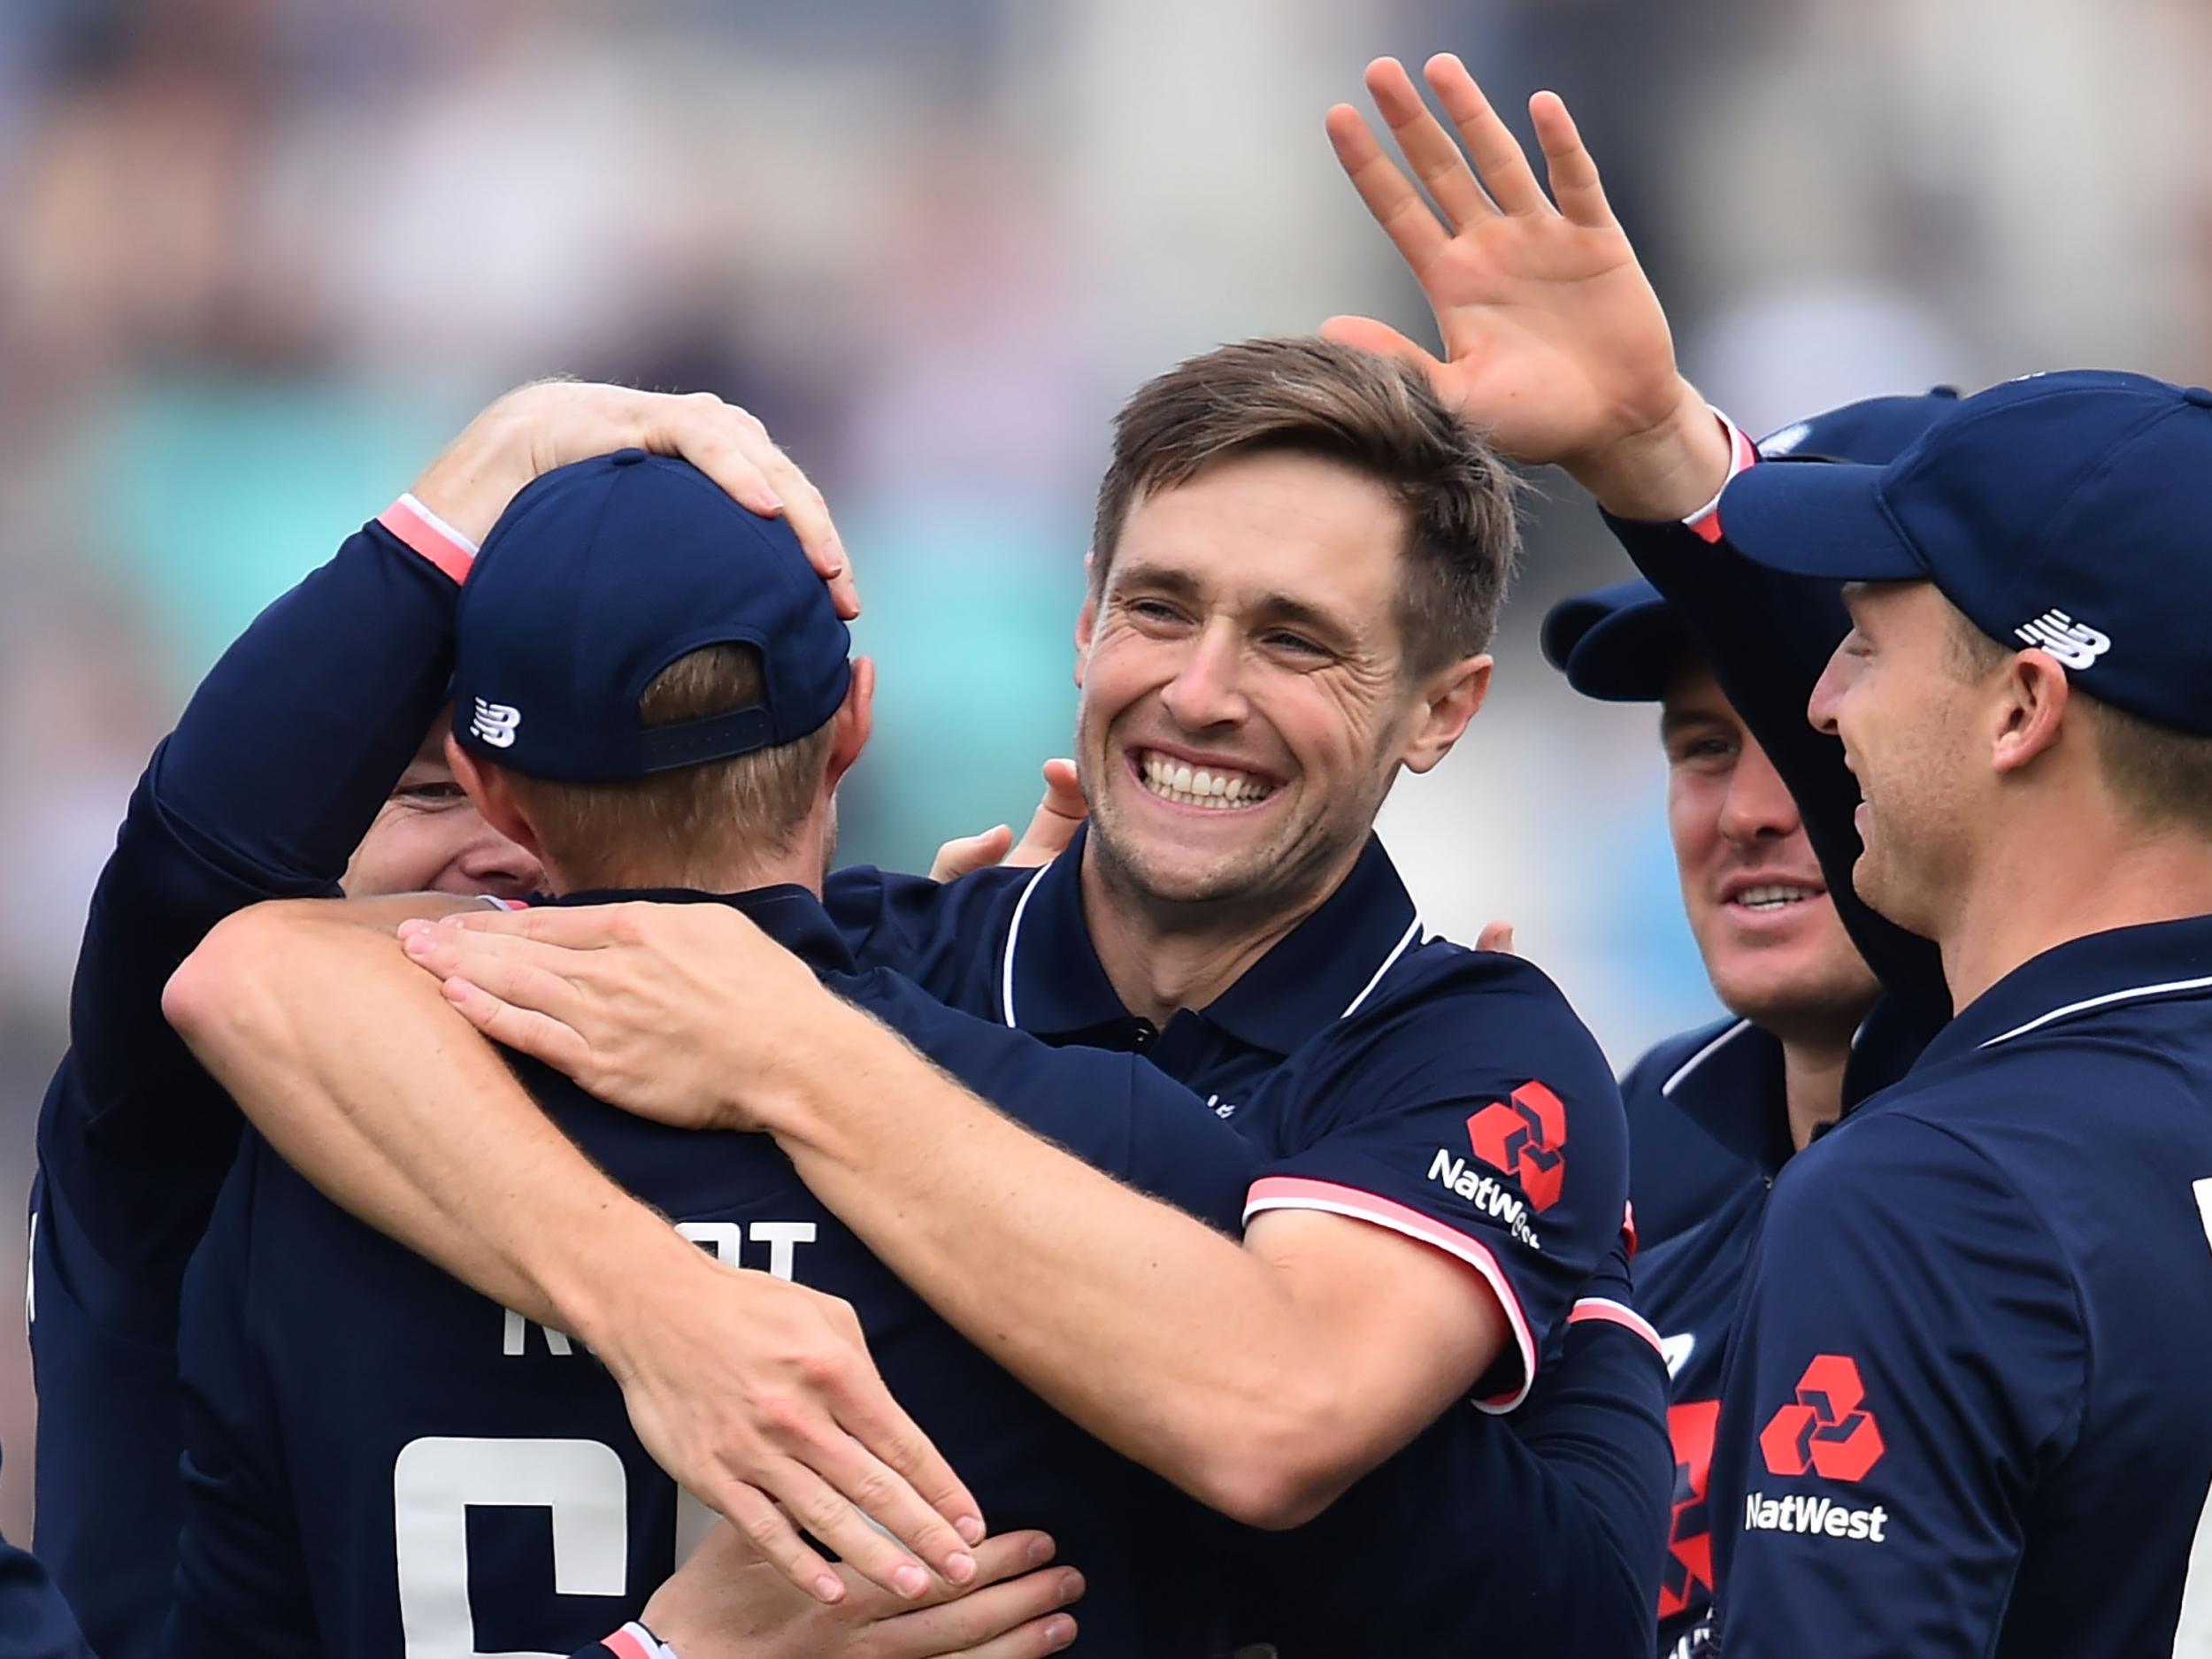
(1673, 720)
(1273, 608)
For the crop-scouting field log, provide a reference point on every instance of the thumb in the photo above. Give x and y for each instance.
(1063, 794)
(1367, 335)
(965, 854)
(1497, 936)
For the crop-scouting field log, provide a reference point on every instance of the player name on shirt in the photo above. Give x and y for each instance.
(725, 1239)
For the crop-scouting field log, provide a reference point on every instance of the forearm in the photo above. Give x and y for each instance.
(348, 1060)
(1165, 1339)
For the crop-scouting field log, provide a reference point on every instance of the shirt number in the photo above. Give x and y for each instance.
(436, 1481)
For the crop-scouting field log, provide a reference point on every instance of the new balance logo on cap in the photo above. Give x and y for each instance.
(2076, 645)
(494, 723)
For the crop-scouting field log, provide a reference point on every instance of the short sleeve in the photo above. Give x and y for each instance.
(1472, 1112)
(1909, 1361)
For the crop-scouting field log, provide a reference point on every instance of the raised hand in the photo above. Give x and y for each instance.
(1553, 339)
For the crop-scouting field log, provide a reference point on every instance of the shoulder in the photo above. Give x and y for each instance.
(1647, 1080)
(988, 1054)
(1445, 1006)
(914, 925)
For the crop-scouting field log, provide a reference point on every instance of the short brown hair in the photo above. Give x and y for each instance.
(679, 828)
(1371, 413)
(2163, 776)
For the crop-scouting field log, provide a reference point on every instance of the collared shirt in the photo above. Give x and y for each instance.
(1967, 1410)
(374, 1453)
(1451, 1096)
(1709, 1126)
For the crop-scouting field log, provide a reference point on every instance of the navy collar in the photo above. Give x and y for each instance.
(2153, 961)
(1734, 1090)
(1050, 981)
(789, 915)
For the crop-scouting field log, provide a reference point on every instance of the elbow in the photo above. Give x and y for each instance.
(219, 993)
(1282, 1467)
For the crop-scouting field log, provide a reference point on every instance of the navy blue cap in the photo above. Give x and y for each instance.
(2064, 511)
(1622, 643)
(600, 575)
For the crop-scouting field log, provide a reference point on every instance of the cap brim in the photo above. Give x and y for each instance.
(1616, 652)
(1817, 519)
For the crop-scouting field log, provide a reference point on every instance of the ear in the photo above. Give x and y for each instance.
(2032, 712)
(855, 720)
(1086, 622)
(1449, 698)
(494, 797)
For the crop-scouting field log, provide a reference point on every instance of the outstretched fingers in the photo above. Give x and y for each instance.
(1408, 221)
(1497, 155)
(1431, 152)
(1574, 175)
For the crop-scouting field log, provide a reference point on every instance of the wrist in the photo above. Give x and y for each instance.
(1666, 471)
(605, 1281)
(822, 1071)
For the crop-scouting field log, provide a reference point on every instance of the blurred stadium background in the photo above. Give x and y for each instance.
(263, 256)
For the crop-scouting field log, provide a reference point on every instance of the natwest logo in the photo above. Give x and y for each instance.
(1521, 1135)
(1813, 1517)
(1824, 1430)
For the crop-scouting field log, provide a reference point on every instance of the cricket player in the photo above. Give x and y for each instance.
(1298, 563)
(653, 693)
(1715, 1113)
(299, 763)
(1963, 1413)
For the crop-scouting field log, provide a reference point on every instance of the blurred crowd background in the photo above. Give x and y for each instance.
(263, 256)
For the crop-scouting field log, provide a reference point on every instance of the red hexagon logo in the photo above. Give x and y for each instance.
(1521, 1135)
(1823, 1430)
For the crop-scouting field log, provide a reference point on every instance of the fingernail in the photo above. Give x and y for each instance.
(970, 1529)
(1040, 1551)
(910, 1580)
(829, 1587)
(959, 1567)
(774, 502)
(409, 929)
(419, 943)
(1058, 1633)
(1072, 1585)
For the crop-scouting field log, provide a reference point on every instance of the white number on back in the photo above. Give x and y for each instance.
(435, 1483)
(2192, 1637)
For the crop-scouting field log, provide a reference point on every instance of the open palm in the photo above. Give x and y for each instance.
(1553, 339)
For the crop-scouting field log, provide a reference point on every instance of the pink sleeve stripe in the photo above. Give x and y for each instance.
(1611, 1313)
(1705, 522)
(430, 536)
(632, 1641)
(1290, 1192)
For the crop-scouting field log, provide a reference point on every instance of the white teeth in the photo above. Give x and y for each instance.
(1774, 896)
(1216, 787)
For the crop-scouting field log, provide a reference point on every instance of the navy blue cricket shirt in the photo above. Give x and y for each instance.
(378, 1458)
(1707, 1126)
(1452, 1097)
(1963, 1409)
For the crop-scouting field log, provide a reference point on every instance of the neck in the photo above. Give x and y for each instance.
(2075, 890)
(1163, 957)
(1812, 1086)
(801, 862)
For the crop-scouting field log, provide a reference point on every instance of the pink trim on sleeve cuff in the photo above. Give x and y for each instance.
(1610, 1312)
(429, 535)
(1705, 522)
(1289, 1192)
(633, 1641)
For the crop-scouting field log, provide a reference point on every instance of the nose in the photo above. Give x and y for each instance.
(492, 864)
(1207, 690)
(1828, 691)
(1758, 806)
